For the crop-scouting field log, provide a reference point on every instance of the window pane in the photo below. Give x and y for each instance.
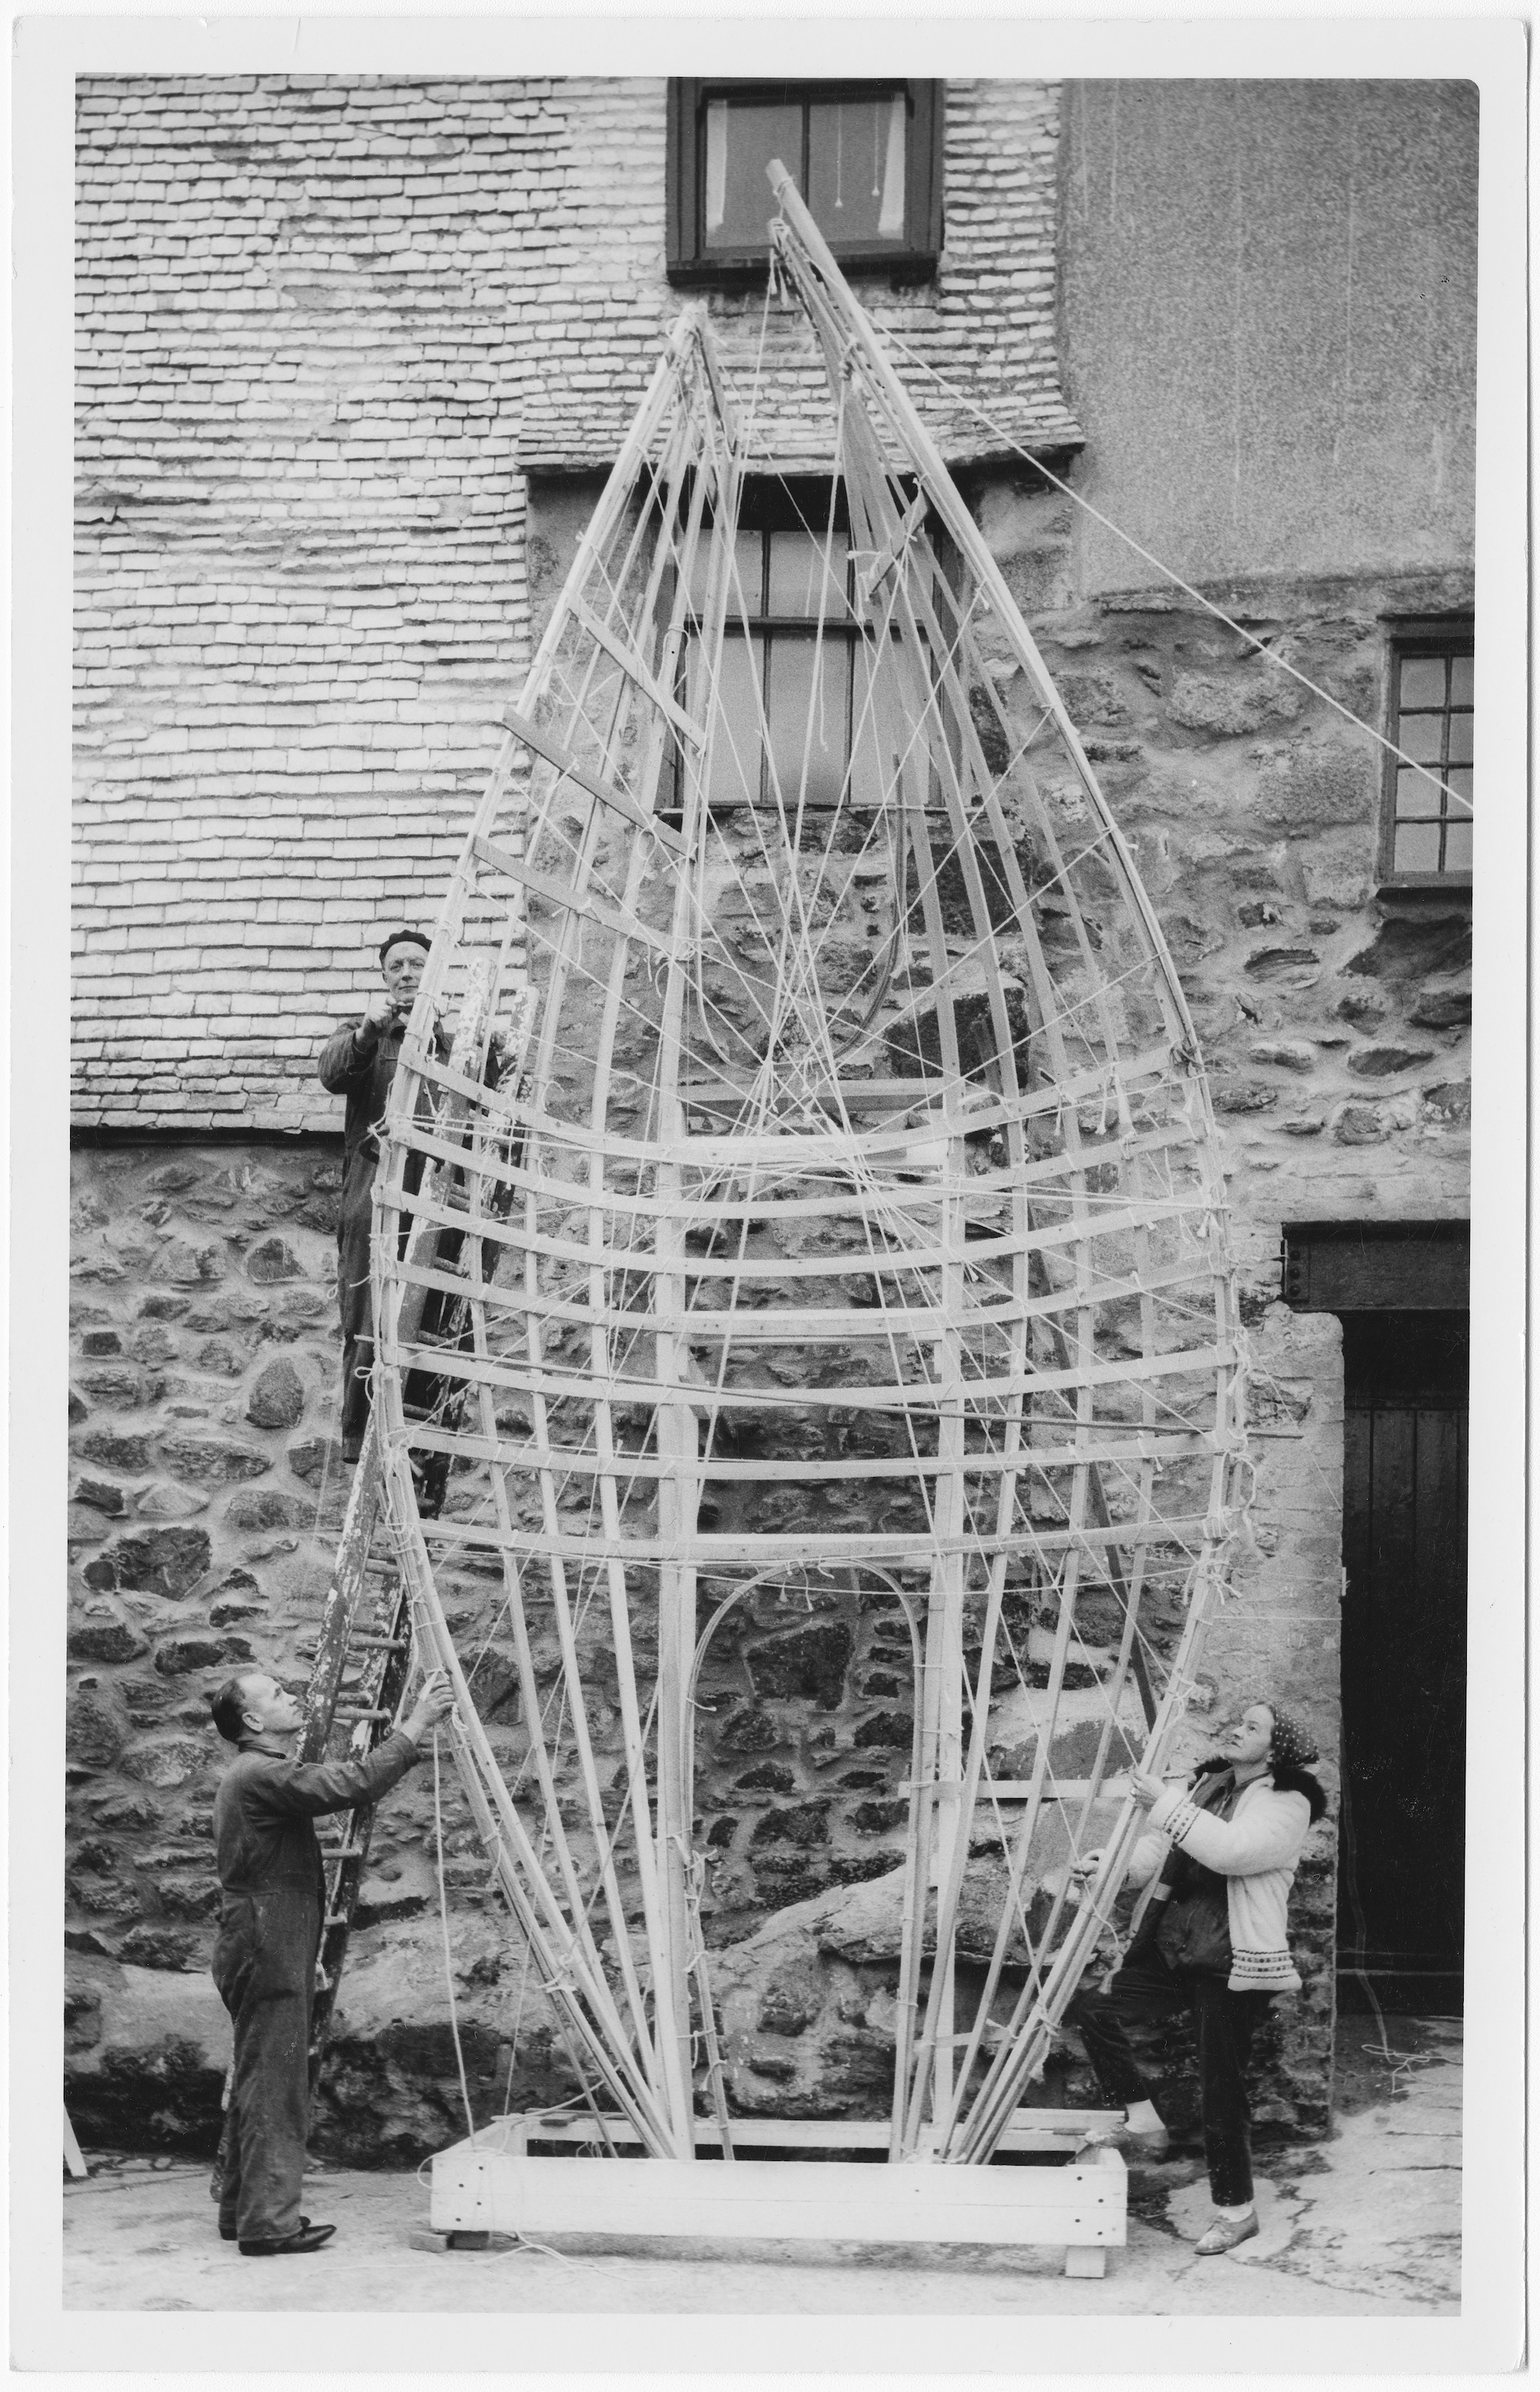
(1461, 731)
(868, 780)
(1462, 680)
(1460, 784)
(1421, 735)
(1417, 796)
(855, 168)
(1456, 847)
(741, 136)
(1416, 847)
(736, 744)
(746, 592)
(798, 576)
(746, 561)
(808, 717)
(1422, 681)
(700, 570)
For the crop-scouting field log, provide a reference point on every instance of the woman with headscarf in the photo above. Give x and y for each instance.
(1213, 1940)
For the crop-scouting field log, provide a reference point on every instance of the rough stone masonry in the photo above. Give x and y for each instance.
(347, 352)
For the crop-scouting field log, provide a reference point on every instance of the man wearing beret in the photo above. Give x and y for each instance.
(358, 1063)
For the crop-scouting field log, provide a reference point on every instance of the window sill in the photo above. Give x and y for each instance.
(1428, 884)
(743, 272)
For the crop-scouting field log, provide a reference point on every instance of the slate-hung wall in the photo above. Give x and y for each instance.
(382, 408)
(326, 329)
(301, 577)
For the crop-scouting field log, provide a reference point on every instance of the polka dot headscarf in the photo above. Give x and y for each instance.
(1293, 1746)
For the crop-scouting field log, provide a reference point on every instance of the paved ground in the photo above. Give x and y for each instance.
(1368, 2225)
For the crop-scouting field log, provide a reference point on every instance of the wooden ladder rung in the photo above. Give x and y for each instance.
(362, 1715)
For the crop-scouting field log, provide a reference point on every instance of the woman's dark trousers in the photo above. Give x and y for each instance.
(1146, 1988)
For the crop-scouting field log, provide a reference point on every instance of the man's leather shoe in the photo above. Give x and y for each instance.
(289, 2246)
(228, 2234)
(1224, 2233)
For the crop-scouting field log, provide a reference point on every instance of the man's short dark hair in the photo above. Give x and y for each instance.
(229, 1706)
(414, 938)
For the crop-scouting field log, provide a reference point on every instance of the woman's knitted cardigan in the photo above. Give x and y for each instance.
(1257, 1850)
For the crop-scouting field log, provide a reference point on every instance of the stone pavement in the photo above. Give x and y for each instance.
(1377, 2209)
(1365, 2225)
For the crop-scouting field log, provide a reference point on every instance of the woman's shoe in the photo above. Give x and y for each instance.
(1140, 2146)
(1224, 2233)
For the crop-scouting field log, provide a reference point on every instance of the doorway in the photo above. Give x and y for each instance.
(1406, 1367)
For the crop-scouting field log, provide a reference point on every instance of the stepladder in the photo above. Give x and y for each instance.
(363, 1656)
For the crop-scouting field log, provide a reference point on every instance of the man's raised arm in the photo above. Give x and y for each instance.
(349, 1052)
(308, 1789)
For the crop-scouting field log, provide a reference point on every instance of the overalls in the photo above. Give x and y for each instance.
(264, 1964)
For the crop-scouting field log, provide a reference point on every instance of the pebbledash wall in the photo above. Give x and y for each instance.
(352, 356)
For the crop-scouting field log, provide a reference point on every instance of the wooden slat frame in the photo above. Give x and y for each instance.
(602, 701)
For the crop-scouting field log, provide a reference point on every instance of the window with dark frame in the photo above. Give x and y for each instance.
(866, 156)
(1425, 840)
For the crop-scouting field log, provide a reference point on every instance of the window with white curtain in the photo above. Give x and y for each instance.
(865, 157)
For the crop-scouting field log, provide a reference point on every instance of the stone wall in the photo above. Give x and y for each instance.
(203, 1488)
(1334, 1019)
(206, 1498)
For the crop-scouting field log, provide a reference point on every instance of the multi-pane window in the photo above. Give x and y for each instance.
(797, 722)
(865, 156)
(1430, 779)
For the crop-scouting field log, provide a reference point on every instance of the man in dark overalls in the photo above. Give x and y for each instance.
(358, 1061)
(269, 1934)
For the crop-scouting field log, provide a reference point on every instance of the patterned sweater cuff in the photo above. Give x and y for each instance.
(1179, 1818)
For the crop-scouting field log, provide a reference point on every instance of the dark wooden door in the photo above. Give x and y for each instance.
(1400, 1907)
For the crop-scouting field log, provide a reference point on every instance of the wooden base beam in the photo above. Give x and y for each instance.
(1081, 2208)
